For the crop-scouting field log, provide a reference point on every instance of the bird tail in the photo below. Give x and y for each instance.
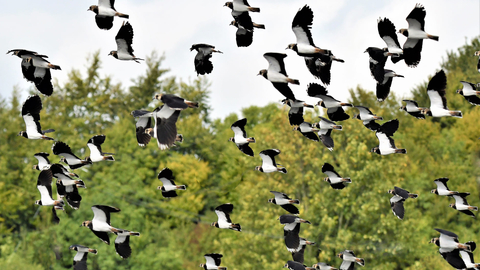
(433, 37)
(295, 201)
(379, 118)
(360, 261)
(109, 158)
(251, 139)
(401, 151)
(54, 66)
(347, 180)
(293, 81)
(236, 227)
(135, 233)
(121, 15)
(339, 127)
(94, 251)
(413, 196)
(261, 26)
(179, 138)
(191, 104)
(474, 208)
(282, 170)
(338, 59)
(456, 114)
(346, 104)
(253, 9)
(182, 187)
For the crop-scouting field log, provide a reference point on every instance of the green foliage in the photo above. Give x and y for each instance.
(176, 232)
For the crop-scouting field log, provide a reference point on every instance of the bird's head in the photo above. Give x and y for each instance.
(403, 108)
(390, 191)
(86, 223)
(263, 72)
(326, 179)
(340, 255)
(202, 265)
(22, 133)
(158, 96)
(228, 4)
(271, 200)
(435, 241)
(162, 188)
(433, 191)
(460, 91)
(452, 205)
(403, 31)
(231, 139)
(357, 116)
(477, 53)
(38, 202)
(214, 224)
(233, 23)
(259, 168)
(113, 53)
(375, 150)
(321, 104)
(93, 8)
(291, 46)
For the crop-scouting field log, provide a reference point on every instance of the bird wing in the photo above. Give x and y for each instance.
(316, 90)
(301, 25)
(389, 128)
(387, 31)
(124, 38)
(239, 127)
(174, 102)
(246, 149)
(280, 195)
(44, 184)
(384, 142)
(460, 198)
(166, 176)
(441, 183)
(213, 259)
(346, 265)
(329, 170)
(411, 104)
(268, 156)
(32, 125)
(106, 3)
(122, 246)
(469, 89)
(165, 124)
(337, 114)
(416, 18)
(275, 62)
(101, 213)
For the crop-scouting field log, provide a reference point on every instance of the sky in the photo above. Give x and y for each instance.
(67, 33)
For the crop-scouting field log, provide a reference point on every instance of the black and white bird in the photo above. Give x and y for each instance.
(31, 116)
(293, 265)
(95, 146)
(43, 162)
(387, 31)
(105, 12)
(100, 224)
(399, 197)
(268, 162)
(376, 62)
(386, 144)
(368, 118)
(213, 261)
(320, 66)
(467, 257)
(436, 93)
(442, 188)
(165, 127)
(176, 102)
(291, 230)
(298, 255)
(70, 194)
(452, 255)
(307, 130)
(295, 113)
(240, 138)
(462, 205)
(202, 62)
(168, 186)
(124, 39)
(80, 259)
(224, 222)
(62, 149)
(64, 176)
(325, 127)
(301, 25)
(245, 28)
(44, 186)
(413, 109)
(39, 73)
(285, 202)
(141, 124)
(122, 243)
(323, 266)
(349, 260)
(448, 241)
(383, 87)
(333, 178)
(415, 34)
(277, 74)
(470, 93)
(334, 107)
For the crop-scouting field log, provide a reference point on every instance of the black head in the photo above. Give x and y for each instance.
(263, 72)
(259, 168)
(214, 224)
(375, 150)
(403, 31)
(271, 200)
(93, 8)
(23, 134)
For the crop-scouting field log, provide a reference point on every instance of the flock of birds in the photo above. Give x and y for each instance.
(36, 68)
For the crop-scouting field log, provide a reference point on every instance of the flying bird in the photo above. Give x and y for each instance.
(141, 124)
(31, 116)
(213, 261)
(277, 74)
(436, 93)
(268, 162)
(325, 127)
(124, 39)
(202, 62)
(242, 6)
(334, 107)
(323, 266)
(376, 62)
(295, 113)
(168, 188)
(245, 28)
(412, 108)
(44, 186)
(224, 222)
(383, 87)
(122, 243)
(387, 31)
(349, 260)
(368, 118)
(333, 178)
(386, 144)
(462, 205)
(293, 265)
(176, 102)
(80, 259)
(240, 139)
(442, 188)
(448, 241)
(399, 197)
(291, 230)
(307, 130)
(100, 224)
(95, 146)
(298, 255)
(105, 12)
(415, 34)
(43, 162)
(470, 93)
(62, 149)
(285, 202)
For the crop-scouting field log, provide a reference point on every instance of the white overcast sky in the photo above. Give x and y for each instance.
(67, 33)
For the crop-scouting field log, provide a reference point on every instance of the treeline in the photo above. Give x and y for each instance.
(176, 233)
